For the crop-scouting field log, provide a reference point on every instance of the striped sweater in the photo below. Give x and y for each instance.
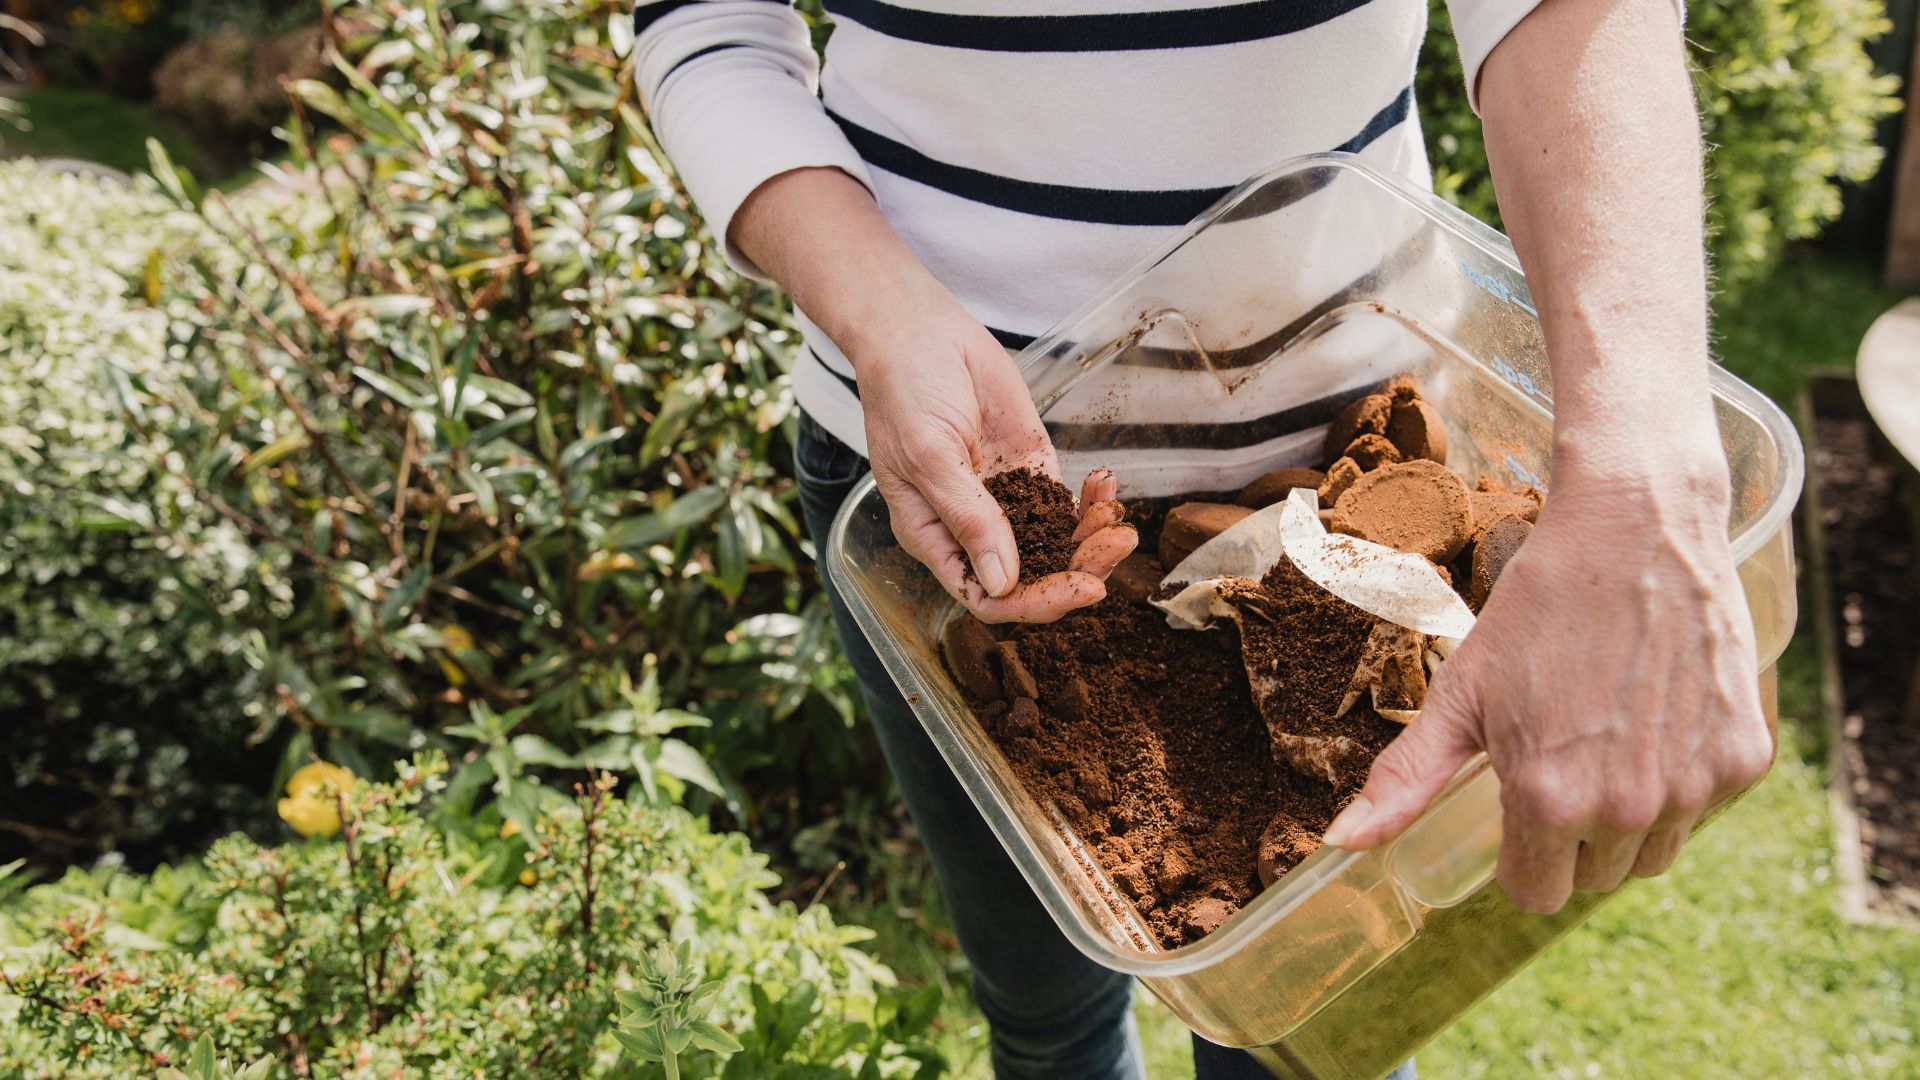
(1030, 151)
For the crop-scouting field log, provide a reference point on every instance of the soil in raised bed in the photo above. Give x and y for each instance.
(1876, 591)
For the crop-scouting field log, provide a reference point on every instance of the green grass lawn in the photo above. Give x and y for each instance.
(94, 126)
(1735, 964)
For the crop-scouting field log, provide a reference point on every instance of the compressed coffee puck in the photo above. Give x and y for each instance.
(1015, 679)
(1496, 546)
(1416, 506)
(1206, 915)
(1340, 476)
(1366, 416)
(1136, 578)
(1283, 845)
(1492, 504)
(972, 657)
(1266, 490)
(1372, 451)
(1189, 525)
(1418, 430)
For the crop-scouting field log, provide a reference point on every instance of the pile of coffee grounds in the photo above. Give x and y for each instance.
(1040, 509)
(1304, 643)
(1147, 740)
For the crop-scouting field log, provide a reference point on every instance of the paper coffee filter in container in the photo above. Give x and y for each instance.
(1415, 606)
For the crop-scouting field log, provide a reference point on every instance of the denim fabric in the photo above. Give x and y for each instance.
(1054, 1014)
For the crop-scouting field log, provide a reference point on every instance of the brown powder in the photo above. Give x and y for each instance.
(1040, 509)
(1300, 644)
(1149, 742)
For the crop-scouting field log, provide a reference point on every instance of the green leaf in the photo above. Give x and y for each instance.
(680, 760)
(730, 558)
(322, 98)
(675, 410)
(395, 389)
(586, 91)
(581, 453)
(683, 513)
(174, 180)
(500, 390)
(200, 1065)
(642, 1044)
(520, 803)
(383, 307)
(275, 451)
(534, 750)
(400, 601)
(708, 1036)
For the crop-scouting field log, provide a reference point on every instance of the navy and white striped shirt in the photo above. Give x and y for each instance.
(1031, 151)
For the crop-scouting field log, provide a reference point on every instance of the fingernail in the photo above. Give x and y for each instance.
(1349, 822)
(993, 576)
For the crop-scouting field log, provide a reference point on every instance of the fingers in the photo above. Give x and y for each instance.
(1659, 849)
(1100, 553)
(1603, 864)
(1040, 601)
(1411, 770)
(1097, 516)
(1537, 866)
(921, 534)
(1100, 486)
(973, 519)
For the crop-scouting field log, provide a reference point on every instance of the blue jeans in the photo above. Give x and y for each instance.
(1054, 1013)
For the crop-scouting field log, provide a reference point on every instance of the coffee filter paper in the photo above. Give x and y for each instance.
(1420, 613)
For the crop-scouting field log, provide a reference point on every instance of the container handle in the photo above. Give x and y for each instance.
(1451, 851)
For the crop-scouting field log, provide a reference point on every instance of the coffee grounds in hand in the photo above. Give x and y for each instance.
(1040, 509)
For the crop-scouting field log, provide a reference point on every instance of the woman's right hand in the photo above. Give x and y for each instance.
(945, 405)
(945, 408)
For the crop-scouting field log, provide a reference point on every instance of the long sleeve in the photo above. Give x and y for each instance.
(731, 87)
(1479, 25)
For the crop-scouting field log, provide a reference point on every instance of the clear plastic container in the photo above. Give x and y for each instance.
(1218, 359)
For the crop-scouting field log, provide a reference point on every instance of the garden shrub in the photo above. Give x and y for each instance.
(477, 385)
(413, 945)
(1789, 101)
(121, 683)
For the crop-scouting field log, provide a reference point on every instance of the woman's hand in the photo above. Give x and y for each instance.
(1610, 681)
(945, 405)
(945, 408)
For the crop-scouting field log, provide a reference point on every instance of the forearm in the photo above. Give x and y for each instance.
(819, 233)
(1595, 148)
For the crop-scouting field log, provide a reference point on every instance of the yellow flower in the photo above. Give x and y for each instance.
(528, 877)
(456, 640)
(606, 563)
(509, 827)
(311, 806)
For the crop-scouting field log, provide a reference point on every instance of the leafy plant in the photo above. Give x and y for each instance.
(508, 429)
(1788, 97)
(122, 690)
(666, 1011)
(419, 943)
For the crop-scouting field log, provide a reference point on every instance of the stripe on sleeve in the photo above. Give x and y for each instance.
(1104, 206)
